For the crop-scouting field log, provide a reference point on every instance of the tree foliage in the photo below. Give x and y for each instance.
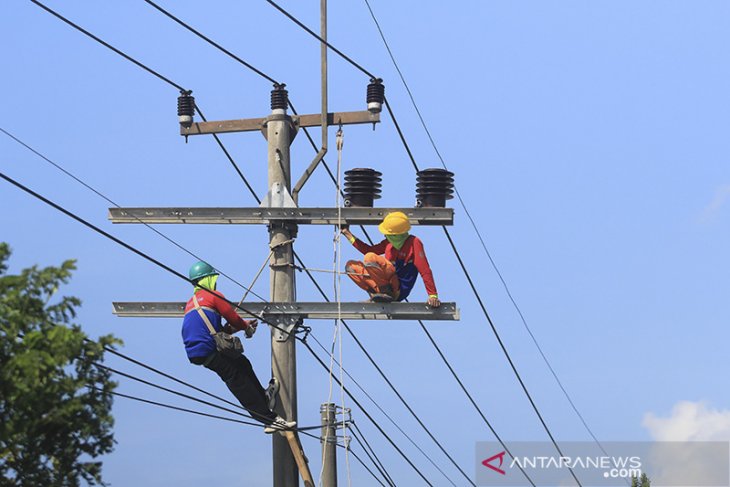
(642, 481)
(55, 405)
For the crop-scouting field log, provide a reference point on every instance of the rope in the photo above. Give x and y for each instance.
(256, 278)
(338, 289)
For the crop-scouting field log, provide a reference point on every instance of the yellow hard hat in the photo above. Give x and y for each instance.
(395, 223)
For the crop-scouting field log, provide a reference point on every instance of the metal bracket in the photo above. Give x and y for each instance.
(278, 197)
(285, 326)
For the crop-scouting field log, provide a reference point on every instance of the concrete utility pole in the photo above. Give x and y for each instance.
(329, 445)
(282, 283)
(281, 212)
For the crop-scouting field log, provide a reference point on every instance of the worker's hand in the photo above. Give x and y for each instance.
(251, 329)
(344, 227)
(433, 301)
(348, 235)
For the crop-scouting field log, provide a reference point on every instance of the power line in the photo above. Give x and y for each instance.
(390, 384)
(110, 201)
(415, 165)
(109, 46)
(128, 246)
(172, 271)
(267, 77)
(154, 73)
(210, 41)
(374, 458)
(372, 420)
(179, 87)
(314, 34)
(476, 229)
(504, 349)
(176, 408)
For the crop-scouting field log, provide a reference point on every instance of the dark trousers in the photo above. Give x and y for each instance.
(240, 378)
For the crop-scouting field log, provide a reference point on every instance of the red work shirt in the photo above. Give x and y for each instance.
(410, 260)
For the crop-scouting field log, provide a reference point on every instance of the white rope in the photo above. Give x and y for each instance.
(258, 274)
(338, 289)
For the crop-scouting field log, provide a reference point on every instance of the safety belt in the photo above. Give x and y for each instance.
(203, 315)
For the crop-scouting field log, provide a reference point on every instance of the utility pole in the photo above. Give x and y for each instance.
(329, 445)
(282, 282)
(281, 212)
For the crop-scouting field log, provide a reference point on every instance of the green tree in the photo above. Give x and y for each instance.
(642, 481)
(55, 405)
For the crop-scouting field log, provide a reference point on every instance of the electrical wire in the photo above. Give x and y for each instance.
(370, 418)
(478, 233)
(413, 162)
(173, 84)
(374, 458)
(172, 271)
(154, 73)
(269, 78)
(111, 202)
(210, 41)
(176, 408)
(129, 247)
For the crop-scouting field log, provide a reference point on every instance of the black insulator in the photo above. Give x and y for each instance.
(185, 108)
(375, 95)
(279, 97)
(434, 187)
(362, 186)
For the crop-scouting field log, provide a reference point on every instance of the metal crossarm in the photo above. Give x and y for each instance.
(253, 124)
(256, 215)
(312, 311)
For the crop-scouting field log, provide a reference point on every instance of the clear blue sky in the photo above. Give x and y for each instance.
(589, 140)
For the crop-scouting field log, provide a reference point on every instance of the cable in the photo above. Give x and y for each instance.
(180, 88)
(367, 415)
(172, 271)
(176, 408)
(110, 201)
(366, 468)
(479, 234)
(109, 46)
(504, 349)
(413, 162)
(230, 159)
(129, 247)
(172, 391)
(314, 34)
(210, 41)
(168, 376)
(155, 73)
(349, 330)
(374, 458)
(385, 413)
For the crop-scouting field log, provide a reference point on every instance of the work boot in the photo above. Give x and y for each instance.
(380, 298)
(279, 424)
(271, 393)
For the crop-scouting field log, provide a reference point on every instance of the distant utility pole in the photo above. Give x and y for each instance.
(329, 445)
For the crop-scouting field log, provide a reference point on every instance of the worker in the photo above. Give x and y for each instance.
(205, 308)
(390, 268)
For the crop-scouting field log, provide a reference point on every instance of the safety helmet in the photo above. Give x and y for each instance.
(200, 270)
(395, 223)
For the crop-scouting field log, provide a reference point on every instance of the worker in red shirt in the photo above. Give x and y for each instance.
(390, 268)
(203, 311)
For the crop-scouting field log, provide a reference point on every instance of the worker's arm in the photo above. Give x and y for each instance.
(362, 246)
(421, 263)
(228, 312)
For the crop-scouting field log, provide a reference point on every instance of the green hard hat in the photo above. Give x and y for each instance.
(200, 270)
